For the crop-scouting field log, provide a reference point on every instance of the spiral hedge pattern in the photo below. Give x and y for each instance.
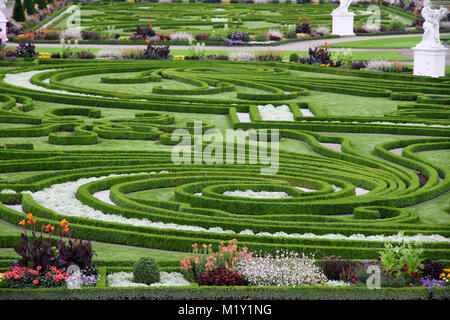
(334, 189)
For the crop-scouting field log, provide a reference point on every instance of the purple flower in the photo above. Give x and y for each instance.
(433, 283)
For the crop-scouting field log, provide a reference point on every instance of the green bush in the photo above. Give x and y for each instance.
(293, 57)
(146, 270)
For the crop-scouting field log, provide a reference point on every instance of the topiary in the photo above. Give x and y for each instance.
(42, 4)
(18, 12)
(293, 57)
(29, 5)
(146, 271)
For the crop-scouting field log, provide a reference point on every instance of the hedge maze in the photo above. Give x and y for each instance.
(324, 184)
(107, 17)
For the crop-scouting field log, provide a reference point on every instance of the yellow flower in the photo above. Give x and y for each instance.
(44, 56)
(442, 275)
(447, 270)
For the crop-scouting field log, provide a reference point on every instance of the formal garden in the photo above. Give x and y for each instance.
(164, 173)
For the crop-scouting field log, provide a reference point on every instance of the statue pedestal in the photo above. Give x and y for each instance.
(343, 24)
(429, 61)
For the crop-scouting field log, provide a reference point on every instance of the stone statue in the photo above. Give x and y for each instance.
(3, 21)
(432, 17)
(343, 7)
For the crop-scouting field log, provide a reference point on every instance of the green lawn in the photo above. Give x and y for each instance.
(390, 43)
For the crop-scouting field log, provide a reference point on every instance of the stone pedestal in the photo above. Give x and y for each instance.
(429, 61)
(343, 24)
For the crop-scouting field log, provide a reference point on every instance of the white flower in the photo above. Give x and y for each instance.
(125, 279)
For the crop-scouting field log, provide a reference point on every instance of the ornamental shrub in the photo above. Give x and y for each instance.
(241, 36)
(220, 277)
(156, 52)
(146, 271)
(42, 4)
(293, 57)
(334, 266)
(432, 269)
(18, 11)
(29, 6)
(26, 50)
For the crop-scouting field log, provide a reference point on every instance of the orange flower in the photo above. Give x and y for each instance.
(22, 222)
(66, 229)
(29, 216)
(64, 223)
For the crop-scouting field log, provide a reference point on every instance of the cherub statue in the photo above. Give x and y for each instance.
(343, 7)
(432, 17)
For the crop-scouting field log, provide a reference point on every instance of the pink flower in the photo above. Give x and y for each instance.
(36, 281)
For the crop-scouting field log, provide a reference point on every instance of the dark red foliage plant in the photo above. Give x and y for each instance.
(220, 277)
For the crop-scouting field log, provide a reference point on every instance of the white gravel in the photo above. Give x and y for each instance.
(243, 116)
(360, 191)
(271, 113)
(257, 194)
(305, 189)
(23, 79)
(104, 197)
(306, 113)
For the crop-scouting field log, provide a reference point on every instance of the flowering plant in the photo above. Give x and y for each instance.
(269, 56)
(445, 276)
(402, 258)
(283, 269)
(22, 277)
(83, 278)
(206, 259)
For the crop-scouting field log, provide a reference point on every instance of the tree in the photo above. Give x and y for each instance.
(29, 6)
(42, 4)
(18, 12)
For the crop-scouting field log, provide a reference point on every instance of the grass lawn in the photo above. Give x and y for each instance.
(391, 43)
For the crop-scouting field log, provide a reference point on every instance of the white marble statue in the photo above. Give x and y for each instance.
(430, 38)
(3, 21)
(343, 7)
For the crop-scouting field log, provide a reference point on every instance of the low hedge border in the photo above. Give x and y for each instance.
(227, 293)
